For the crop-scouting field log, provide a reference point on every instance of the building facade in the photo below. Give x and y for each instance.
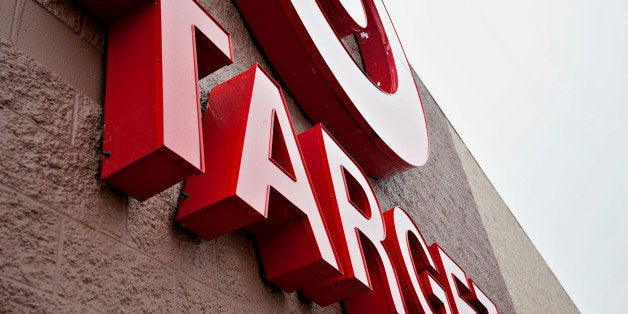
(71, 243)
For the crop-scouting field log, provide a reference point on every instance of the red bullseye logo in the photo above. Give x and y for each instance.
(375, 113)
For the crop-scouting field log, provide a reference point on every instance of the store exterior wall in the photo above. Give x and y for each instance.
(531, 284)
(70, 243)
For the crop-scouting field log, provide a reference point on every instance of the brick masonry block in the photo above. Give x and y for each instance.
(168, 196)
(105, 275)
(69, 13)
(29, 240)
(93, 32)
(149, 228)
(20, 298)
(33, 92)
(175, 196)
(86, 132)
(195, 297)
(7, 10)
(52, 172)
(52, 43)
(199, 261)
(333, 308)
(79, 21)
(294, 303)
(239, 277)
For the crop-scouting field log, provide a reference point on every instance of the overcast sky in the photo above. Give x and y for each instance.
(538, 90)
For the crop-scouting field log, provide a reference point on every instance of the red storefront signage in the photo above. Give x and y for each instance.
(156, 53)
(308, 202)
(375, 114)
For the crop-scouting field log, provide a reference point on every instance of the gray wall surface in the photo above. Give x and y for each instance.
(532, 285)
(439, 199)
(69, 243)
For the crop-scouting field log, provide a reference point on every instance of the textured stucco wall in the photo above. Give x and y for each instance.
(438, 197)
(532, 285)
(69, 243)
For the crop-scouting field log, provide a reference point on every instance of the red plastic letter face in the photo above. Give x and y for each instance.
(451, 275)
(435, 293)
(413, 262)
(368, 282)
(152, 135)
(256, 179)
(481, 301)
(375, 114)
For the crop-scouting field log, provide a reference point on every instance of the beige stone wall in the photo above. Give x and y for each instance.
(69, 243)
(532, 285)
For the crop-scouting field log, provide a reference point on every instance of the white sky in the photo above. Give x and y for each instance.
(538, 90)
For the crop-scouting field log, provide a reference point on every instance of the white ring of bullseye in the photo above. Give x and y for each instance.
(397, 118)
